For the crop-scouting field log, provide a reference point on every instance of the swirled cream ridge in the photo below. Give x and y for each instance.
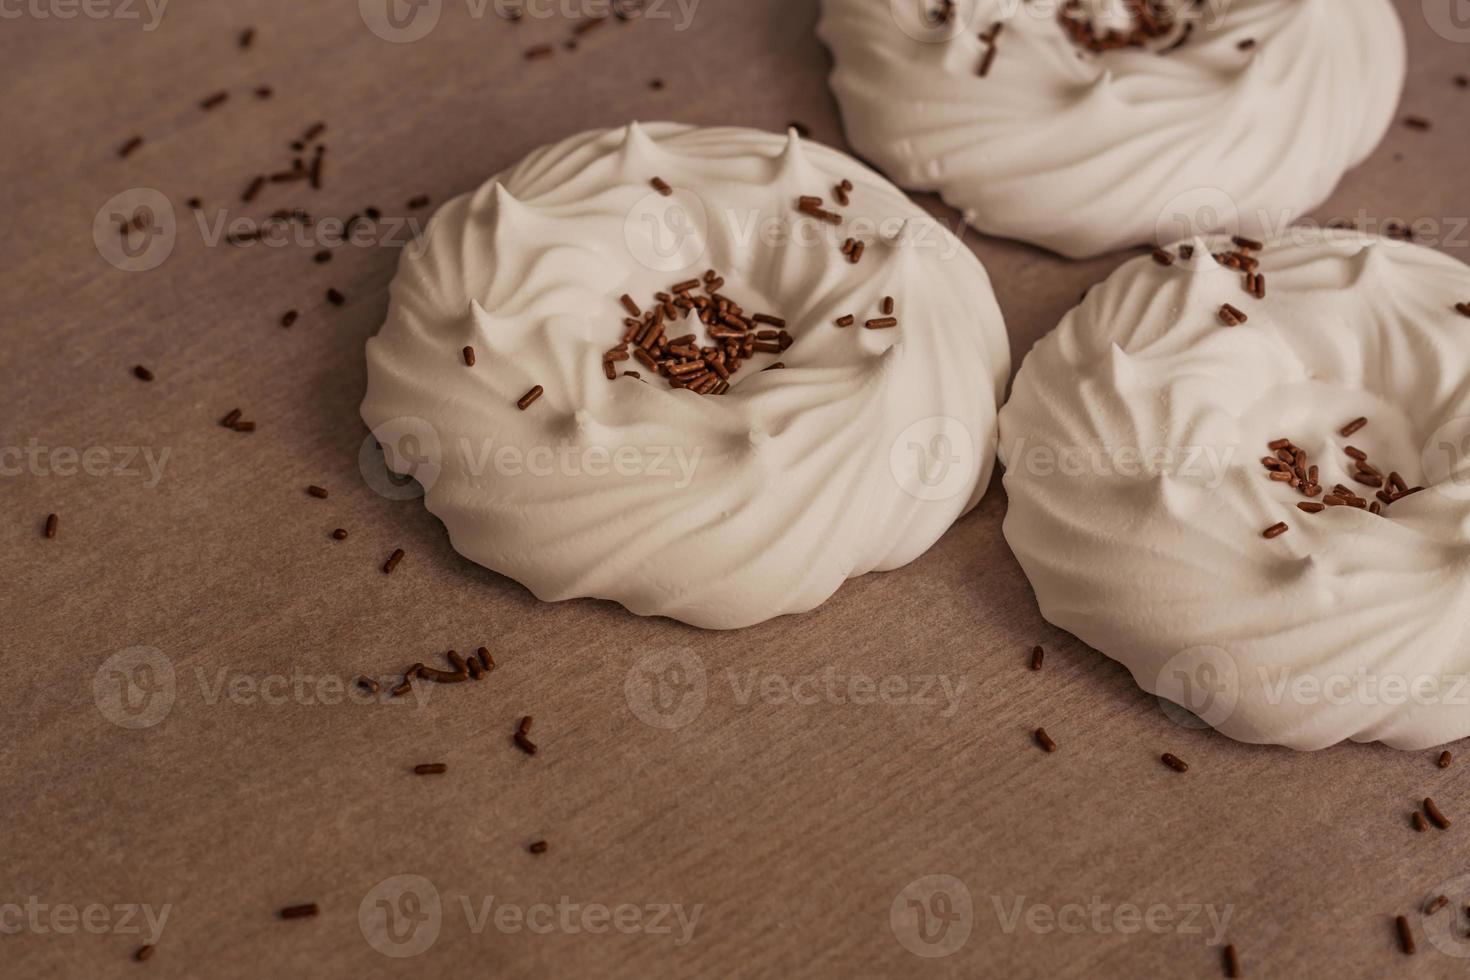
(720, 511)
(1247, 125)
(1139, 447)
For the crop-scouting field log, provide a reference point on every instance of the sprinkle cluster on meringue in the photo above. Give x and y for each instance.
(1242, 115)
(502, 378)
(1188, 491)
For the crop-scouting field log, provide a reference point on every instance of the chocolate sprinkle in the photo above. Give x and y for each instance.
(393, 561)
(1435, 815)
(143, 954)
(142, 373)
(1406, 935)
(1045, 741)
(318, 492)
(300, 911)
(1174, 762)
(1445, 759)
(51, 522)
(430, 769)
(538, 847)
(1232, 961)
(1037, 656)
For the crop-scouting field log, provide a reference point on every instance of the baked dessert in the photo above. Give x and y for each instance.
(1242, 472)
(709, 373)
(1091, 126)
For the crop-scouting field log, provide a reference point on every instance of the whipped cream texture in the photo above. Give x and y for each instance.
(1246, 125)
(1134, 445)
(718, 510)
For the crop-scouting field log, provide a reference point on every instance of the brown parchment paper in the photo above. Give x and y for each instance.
(773, 798)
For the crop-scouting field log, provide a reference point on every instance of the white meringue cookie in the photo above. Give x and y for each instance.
(1138, 498)
(721, 511)
(1084, 153)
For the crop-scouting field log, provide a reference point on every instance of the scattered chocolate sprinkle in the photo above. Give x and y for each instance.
(214, 101)
(846, 321)
(244, 426)
(315, 174)
(289, 318)
(469, 356)
(418, 201)
(264, 92)
(194, 203)
(143, 954)
(368, 684)
(1406, 935)
(247, 38)
(393, 561)
(882, 323)
(656, 84)
(1232, 961)
(322, 257)
(1417, 122)
(142, 373)
(1277, 530)
(1247, 44)
(1163, 257)
(530, 397)
(1463, 309)
(1435, 815)
(51, 522)
(1174, 762)
(1463, 81)
(1419, 823)
(523, 742)
(486, 660)
(430, 769)
(126, 150)
(1435, 904)
(630, 306)
(1037, 656)
(1311, 507)
(856, 255)
(662, 186)
(887, 306)
(318, 492)
(335, 297)
(1231, 317)
(300, 911)
(1445, 759)
(253, 189)
(1352, 427)
(1045, 741)
(538, 847)
(539, 51)
(340, 534)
